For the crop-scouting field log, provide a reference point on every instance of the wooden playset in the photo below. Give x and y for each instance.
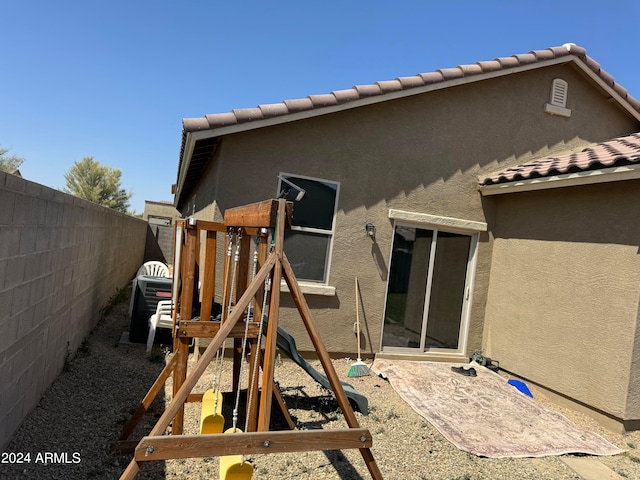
(250, 306)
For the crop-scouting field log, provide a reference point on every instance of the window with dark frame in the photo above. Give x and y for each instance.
(308, 243)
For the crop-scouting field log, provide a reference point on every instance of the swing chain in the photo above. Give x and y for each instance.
(219, 362)
(256, 354)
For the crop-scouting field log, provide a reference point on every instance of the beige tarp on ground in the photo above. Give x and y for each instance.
(484, 415)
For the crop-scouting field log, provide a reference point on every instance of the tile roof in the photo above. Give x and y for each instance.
(382, 88)
(613, 153)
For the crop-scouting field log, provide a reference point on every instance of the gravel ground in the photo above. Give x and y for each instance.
(69, 434)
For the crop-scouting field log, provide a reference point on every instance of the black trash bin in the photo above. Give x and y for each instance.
(148, 292)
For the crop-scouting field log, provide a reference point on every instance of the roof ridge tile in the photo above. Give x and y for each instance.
(298, 104)
(323, 100)
(526, 58)
(508, 62)
(273, 109)
(431, 77)
(542, 55)
(367, 90)
(450, 73)
(472, 69)
(389, 85)
(343, 96)
(490, 65)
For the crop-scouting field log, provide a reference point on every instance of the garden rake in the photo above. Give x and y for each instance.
(359, 368)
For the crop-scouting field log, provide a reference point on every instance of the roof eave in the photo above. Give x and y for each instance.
(197, 127)
(185, 162)
(384, 97)
(590, 177)
(623, 102)
(190, 137)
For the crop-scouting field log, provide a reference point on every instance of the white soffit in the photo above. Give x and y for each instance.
(437, 221)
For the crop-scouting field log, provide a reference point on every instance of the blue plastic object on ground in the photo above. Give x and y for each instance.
(521, 386)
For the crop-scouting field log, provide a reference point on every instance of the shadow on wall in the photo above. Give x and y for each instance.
(314, 301)
(586, 214)
(487, 125)
(365, 334)
(379, 260)
(152, 248)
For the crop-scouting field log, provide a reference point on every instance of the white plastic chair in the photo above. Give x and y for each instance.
(154, 269)
(160, 319)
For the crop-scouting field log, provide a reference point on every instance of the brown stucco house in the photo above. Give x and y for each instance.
(489, 225)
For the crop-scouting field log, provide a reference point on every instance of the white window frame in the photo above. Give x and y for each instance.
(311, 286)
(440, 224)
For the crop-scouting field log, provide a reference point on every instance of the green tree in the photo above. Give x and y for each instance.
(9, 163)
(98, 183)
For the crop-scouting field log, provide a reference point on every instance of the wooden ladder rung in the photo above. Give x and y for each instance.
(191, 446)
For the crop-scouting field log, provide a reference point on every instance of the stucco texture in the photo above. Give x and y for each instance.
(562, 307)
(422, 154)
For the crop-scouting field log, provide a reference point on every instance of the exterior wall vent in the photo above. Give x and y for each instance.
(558, 101)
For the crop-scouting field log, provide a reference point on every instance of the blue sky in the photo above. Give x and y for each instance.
(113, 79)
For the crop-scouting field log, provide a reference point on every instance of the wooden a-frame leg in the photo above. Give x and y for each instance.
(181, 351)
(264, 412)
(325, 360)
(277, 394)
(148, 399)
(177, 402)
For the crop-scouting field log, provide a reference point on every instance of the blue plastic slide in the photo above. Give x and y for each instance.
(287, 344)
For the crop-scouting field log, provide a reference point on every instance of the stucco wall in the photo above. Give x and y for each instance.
(159, 209)
(562, 308)
(61, 259)
(160, 238)
(422, 154)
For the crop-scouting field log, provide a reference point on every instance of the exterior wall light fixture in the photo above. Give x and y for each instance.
(371, 230)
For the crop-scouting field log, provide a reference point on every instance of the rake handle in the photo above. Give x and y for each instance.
(357, 318)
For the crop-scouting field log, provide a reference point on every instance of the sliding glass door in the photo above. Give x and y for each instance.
(428, 287)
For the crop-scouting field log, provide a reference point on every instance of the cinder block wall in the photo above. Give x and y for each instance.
(61, 259)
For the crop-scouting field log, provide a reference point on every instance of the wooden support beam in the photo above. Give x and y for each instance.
(181, 352)
(264, 410)
(209, 275)
(283, 406)
(209, 226)
(325, 360)
(188, 274)
(179, 398)
(124, 447)
(190, 446)
(256, 349)
(194, 398)
(318, 345)
(148, 399)
(200, 329)
(181, 345)
(220, 227)
(272, 213)
(261, 214)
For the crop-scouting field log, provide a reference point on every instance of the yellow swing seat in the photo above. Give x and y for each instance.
(232, 467)
(211, 419)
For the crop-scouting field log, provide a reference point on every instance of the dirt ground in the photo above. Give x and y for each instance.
(69, 435)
